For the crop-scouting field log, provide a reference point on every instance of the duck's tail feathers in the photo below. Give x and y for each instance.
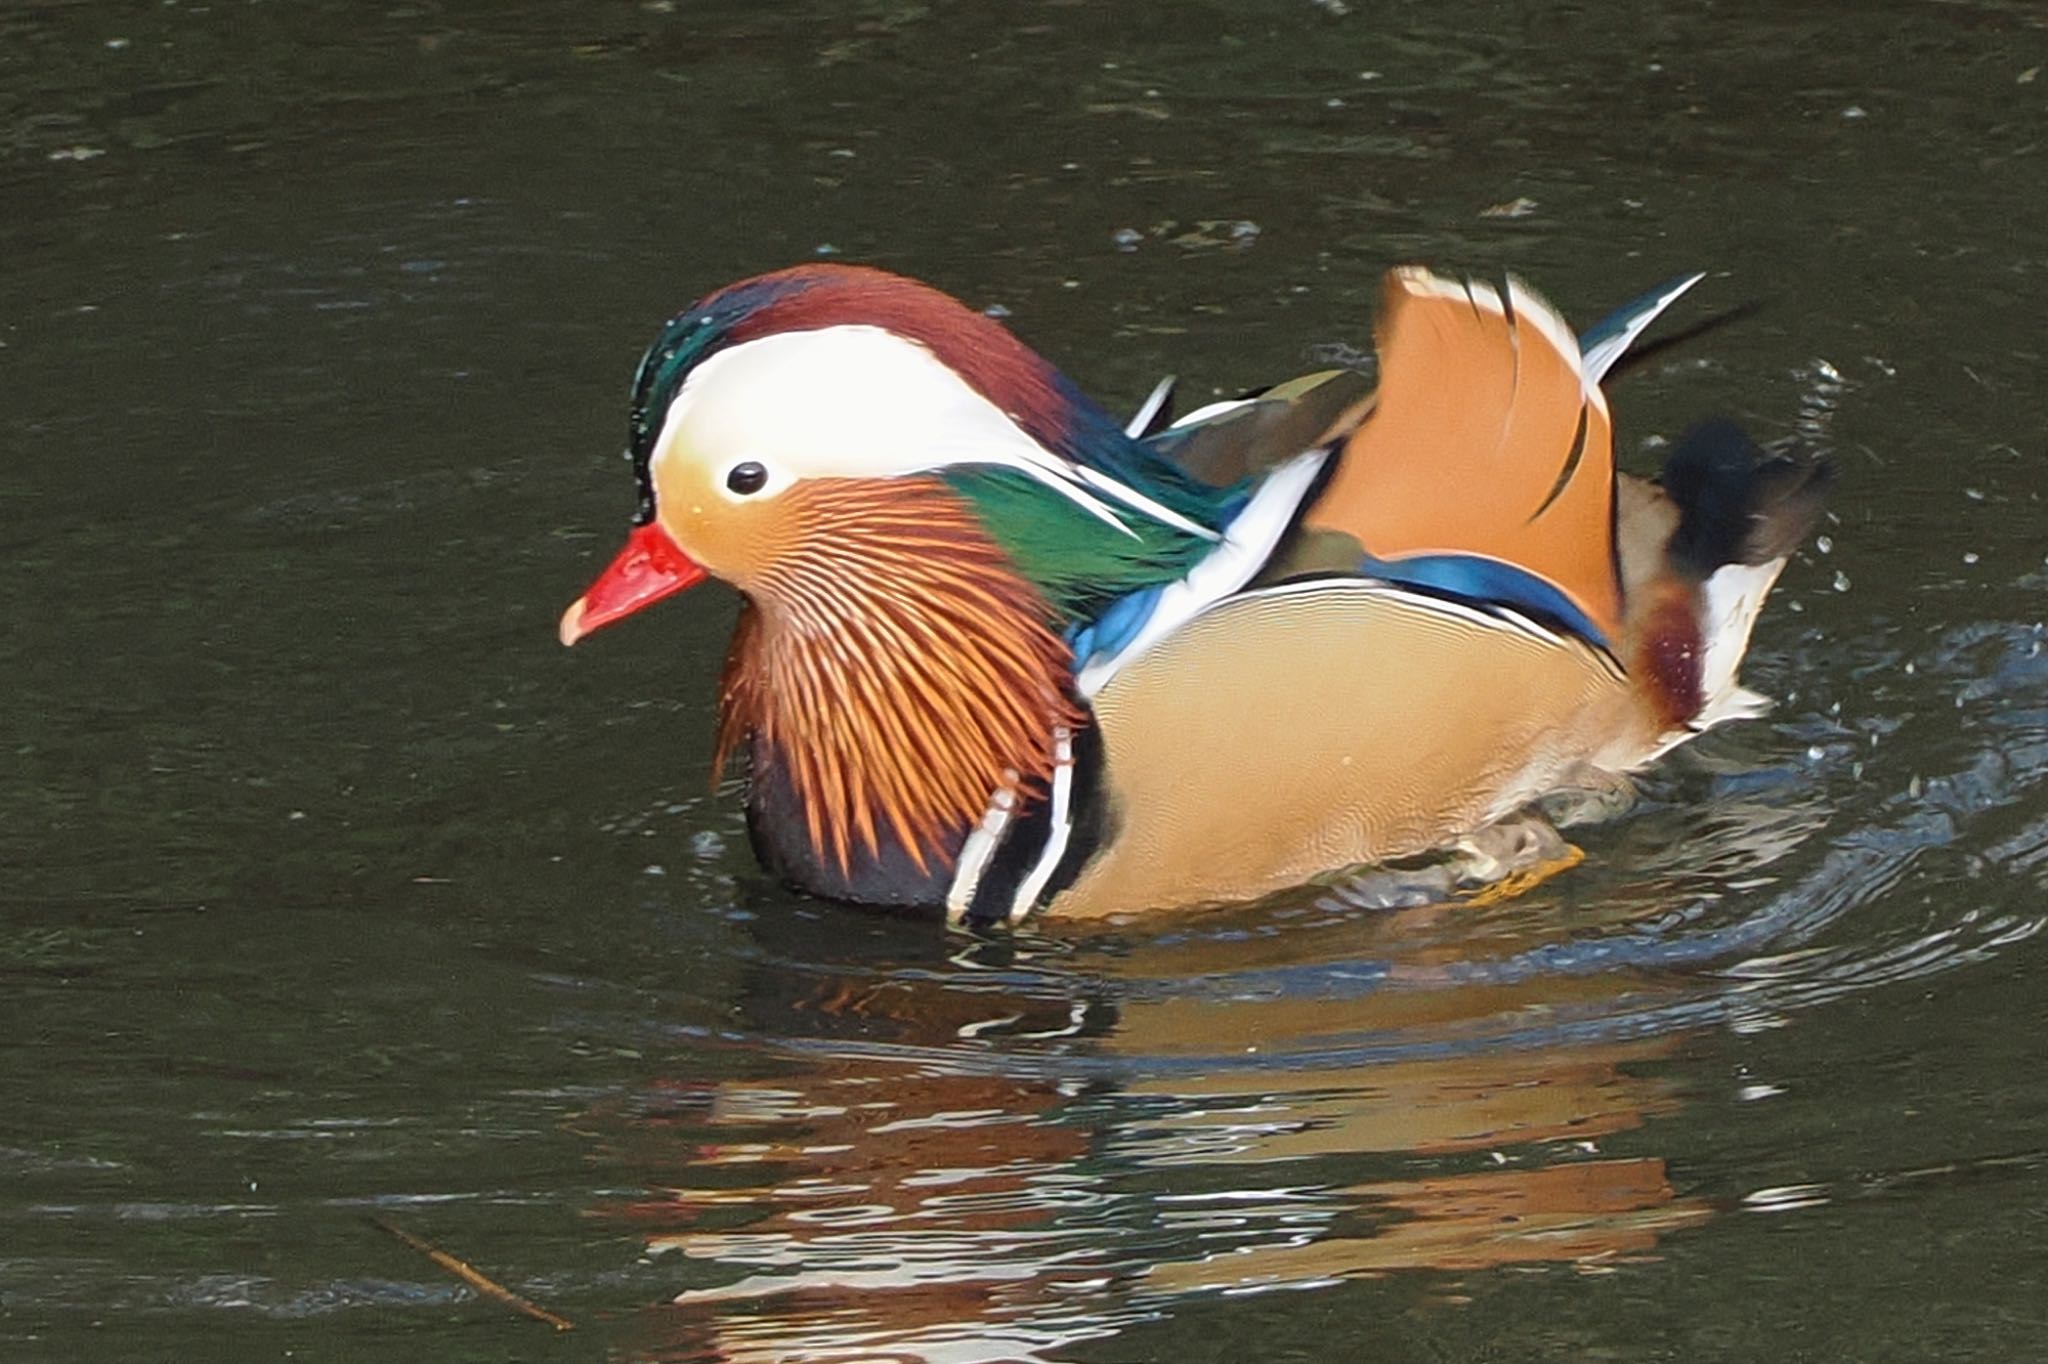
(1729, 603)
(1736, 503)
(1739, 514)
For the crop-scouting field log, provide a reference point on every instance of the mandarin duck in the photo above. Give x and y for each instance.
(1002, 654)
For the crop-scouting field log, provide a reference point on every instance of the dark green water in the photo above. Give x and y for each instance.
(334, 887)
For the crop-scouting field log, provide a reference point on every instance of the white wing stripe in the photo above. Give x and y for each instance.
(1247, 543)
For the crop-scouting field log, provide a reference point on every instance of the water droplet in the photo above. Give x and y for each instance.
(1127, 238)
(1824, 543)
(654, 869)
(1841, 581)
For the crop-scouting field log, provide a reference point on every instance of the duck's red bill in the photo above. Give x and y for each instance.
(650, 567)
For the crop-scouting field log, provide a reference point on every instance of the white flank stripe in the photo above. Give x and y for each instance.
(1061, 829)
(980, 846)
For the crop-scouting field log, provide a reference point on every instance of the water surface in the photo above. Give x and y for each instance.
(335, 888)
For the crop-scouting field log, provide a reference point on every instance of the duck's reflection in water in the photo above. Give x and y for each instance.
(993, 1175)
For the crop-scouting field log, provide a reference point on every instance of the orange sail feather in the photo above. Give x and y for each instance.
(1486, 439)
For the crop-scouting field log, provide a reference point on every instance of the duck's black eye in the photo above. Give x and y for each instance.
(746, 478)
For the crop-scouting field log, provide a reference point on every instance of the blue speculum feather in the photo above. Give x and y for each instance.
(1484, 582)
(1117, 626)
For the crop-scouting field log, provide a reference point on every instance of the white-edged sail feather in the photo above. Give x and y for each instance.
(1155, 403)
(1611, 338)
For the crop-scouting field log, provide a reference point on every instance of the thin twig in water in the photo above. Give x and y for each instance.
(475, 1278)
